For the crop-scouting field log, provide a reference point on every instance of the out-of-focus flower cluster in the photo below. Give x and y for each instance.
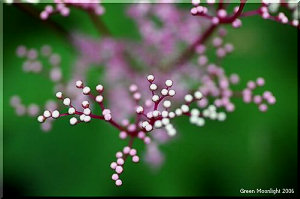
(62, 7)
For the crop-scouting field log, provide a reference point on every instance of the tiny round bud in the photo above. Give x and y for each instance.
(178, 112)
(82, 117)
(215, 20)
(260, 81)
(164, 114)
(132, 152)
(188, 98)
(169, 83)
(222, 13)
(107, 117)
(71, 111)
(165, 121)
(47, 114)
(149, 127)
(59, 95)
(212, 108)
(119, 154)
(99, 88)
(139, 109)
(147, 140)
(144, 124)
(141, 135)
(172, 132)
(153, 87)
(87, 118)
(135, 159)
(41, 118)
(164, 91)
(126, 149)
(115, 176)
(55, 114)
(194, 11)
(198, 95)
(137, 96)
(119, 182)
(221, 116)
(131, 127)
(150, 78)
(99, 98)
(73, 121)
(120, 161)
(200, 122)
(87, 111)
(85, 104)
(86, 90)
(123, 135)
(106, 111)
(172, 93)
(172, 115)
(155, 113)
(133, 88)
(263, 107)
(155, 98)
(119, 169)
(67, 101)
(149, 115)
(113, 165)
(195, 112)
(79, 84)
(158, 124)
(167, 104)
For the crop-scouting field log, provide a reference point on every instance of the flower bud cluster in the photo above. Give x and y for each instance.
(62, 7)
(261, 101)
(35, 65)
(118, 165)
(266, 11)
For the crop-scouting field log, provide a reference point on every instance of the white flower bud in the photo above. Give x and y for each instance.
(85, 104)
(59, 95)
(153, 87)
(169, 83)
(158, 124)
(87, 111)
(99, 88)
(188, 98)
(79, 84)
(172, 115)
(198, 95)
(86, 90)
(41, 118)
(148, 127)
(150, 78)
(67, 101)
(139, 109)
(164, 114)
(99, 98)
(155, 98)
(167, 104)
(172, 93)
(47, 114)
(164, 91)
(71, 111)
(55, 114)
(87, 118)
(73, 121)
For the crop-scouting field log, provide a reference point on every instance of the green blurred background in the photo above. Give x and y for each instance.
(250, 150)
